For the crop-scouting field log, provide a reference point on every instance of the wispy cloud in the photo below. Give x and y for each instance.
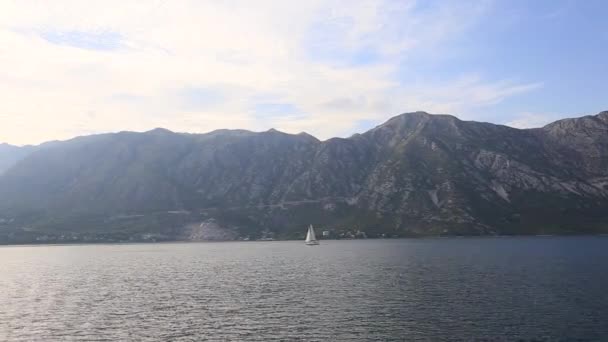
(84, 40)
(318, 66)
(273, 110)
(532, 120)
(200, 98)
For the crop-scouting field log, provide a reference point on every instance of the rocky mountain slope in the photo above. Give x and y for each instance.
(416, 174)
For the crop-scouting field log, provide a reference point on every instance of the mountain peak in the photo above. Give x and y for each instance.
(570, 123)
(422, 115)
(307, 136)
(417, 113)
(412, 120)
(159, 130)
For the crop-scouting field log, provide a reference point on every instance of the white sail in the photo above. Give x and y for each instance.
(311, 239)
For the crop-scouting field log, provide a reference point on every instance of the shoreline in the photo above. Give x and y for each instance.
(296, 240)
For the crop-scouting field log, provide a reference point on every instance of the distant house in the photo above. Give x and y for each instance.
(326, 233)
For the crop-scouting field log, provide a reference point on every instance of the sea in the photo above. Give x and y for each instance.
(427, 289)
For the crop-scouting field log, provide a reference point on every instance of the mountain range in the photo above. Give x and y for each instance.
(417, 174)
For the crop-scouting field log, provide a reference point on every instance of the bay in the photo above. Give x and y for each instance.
(510, 288)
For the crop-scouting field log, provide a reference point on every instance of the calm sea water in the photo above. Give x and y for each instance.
(428, 289)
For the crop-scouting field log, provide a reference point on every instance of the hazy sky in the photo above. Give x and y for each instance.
(330, 68)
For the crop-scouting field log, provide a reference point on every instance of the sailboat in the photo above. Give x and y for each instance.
(311, 240)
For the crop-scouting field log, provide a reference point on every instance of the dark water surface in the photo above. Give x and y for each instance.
(429, 289)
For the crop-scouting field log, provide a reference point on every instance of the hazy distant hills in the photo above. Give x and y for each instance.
(10, 155)
(416, 174)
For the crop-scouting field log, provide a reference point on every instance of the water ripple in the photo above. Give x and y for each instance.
(426, 289)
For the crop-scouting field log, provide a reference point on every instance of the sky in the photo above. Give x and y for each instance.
(329, 68)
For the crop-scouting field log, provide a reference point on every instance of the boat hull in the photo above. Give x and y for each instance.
(312, 243)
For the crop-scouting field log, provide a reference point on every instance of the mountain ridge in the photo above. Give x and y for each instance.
(415, 174)
(602, 115)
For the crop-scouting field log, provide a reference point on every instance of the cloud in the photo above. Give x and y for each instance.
(532, 120)
(467, 92)
(273, 110)
(84, 40)
(315, 66)
(200, 98)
